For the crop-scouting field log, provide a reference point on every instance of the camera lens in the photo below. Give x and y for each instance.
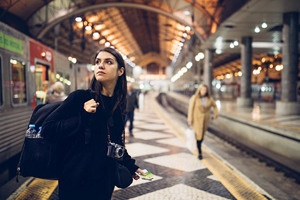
(120, 152)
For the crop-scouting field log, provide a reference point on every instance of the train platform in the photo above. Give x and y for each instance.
(259, 128)
(159, 146)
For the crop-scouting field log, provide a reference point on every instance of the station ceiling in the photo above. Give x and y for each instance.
(151, 30)
(141, 29)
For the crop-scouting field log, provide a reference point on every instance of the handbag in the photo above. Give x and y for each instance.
(122, 176)
(190, 139)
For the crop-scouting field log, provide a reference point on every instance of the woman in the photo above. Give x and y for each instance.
(86, 170)
(58, 93)
(199, 113)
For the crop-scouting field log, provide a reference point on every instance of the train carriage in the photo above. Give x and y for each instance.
(26, 66)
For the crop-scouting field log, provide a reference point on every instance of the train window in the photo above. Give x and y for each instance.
(18, 81)
(1, 78)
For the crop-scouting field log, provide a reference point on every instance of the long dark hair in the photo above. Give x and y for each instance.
(120, 90)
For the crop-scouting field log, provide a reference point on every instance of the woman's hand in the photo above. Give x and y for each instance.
(90, 106)
(190, 123)
(135, 176)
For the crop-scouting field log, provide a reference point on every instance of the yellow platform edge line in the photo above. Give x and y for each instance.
(235, 184)
(38, 189)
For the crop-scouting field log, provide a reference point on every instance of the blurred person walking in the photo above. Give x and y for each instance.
(58, 93)
(199, 113)
(132, 103)
(87, 171)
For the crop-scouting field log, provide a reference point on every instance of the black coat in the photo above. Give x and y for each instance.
(86, 170)
(132, 102)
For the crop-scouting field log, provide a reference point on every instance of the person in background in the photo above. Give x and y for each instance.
(199, 113)
(48, 90)
(58, 93)
(87, 172)
(132, 103)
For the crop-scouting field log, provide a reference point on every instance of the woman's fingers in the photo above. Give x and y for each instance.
(140, 171)
(91, 106)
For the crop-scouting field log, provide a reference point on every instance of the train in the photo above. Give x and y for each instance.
(26, 66)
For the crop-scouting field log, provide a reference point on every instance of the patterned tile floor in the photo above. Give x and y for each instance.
(178, 173)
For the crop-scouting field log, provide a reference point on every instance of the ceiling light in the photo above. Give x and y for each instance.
(201, 55)
(96, 35)
(184, 69)
(264, 25)
(257, 29)
(187, 28)
(218, 51)
(186, 12)
(189, 65)
(107, 44)
(99, 26)
(236, 43)
(106, 32)
(231, 45)
(110, 37)
(184, 34)
(102, 41)
(88, 28)
(78, 19)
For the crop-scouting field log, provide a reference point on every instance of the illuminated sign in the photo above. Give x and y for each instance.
(11, 43)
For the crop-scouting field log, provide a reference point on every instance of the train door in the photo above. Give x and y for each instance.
(42, 66)
(42, 81)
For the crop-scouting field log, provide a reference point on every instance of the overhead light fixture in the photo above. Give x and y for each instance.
(218, 51)
(184, 34)
(264, 25)
(257, 29)
(102, 41)
(88, 28)
(189, 65)
(78, 19)
(187, 28)
(96, 35)
(236, 43)
(186, 12)
(231, 45)
(107, 44)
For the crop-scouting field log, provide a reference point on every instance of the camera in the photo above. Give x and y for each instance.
(115, 150)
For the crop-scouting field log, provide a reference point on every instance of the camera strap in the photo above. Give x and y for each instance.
(110, 121)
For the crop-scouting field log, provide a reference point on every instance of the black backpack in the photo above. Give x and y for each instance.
(40, 157)
(41, 112)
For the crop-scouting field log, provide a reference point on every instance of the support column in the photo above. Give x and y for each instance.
(288, 104)
(246, 60)
(208, 53)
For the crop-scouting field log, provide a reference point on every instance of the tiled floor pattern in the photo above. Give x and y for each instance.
(178, 173)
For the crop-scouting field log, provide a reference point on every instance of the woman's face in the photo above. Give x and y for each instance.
(106, 68)
(203, 91)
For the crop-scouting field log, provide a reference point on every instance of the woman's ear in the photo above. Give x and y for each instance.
(121, 71)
